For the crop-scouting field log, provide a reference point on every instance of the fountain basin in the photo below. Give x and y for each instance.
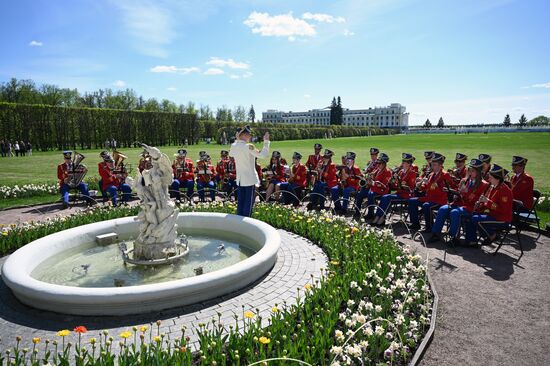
(17, 269)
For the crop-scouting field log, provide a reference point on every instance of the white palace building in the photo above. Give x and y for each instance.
(393, 116)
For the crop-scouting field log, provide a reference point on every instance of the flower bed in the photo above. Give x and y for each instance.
(372, 305)
(28, 190)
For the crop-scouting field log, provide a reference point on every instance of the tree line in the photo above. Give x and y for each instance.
(53, 127)
(522, 122)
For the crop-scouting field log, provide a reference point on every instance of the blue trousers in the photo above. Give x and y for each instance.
(82, 188)
(427, 207)
(211, 189)
(177, 184)
(472, 227)
(455, 214)
(232, 186)
(370, 195)
(245, 200)
(386, 202)
(344, 202)
(318, 196)
(113, 192)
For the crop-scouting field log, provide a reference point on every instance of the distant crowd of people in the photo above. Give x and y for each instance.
(9, 149)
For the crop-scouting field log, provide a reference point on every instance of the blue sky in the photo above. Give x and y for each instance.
(468, 61)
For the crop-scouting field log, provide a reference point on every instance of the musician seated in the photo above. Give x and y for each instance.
(144, 162)
(463, 204)
(522, 185)
(486, 160)
(205, 178)
(350, 175)
(435, 196)
(65, 171)
(460, 170)
(404, 182)
(326, 178)
(275, 175)
(494, 210)
(372, 165)
(313, 161)
(376, 185)
(184, 176)
(296, 182)
(227, 173)
(112, 180)
(424, 172)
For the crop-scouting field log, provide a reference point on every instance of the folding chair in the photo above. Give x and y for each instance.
(504, 231)
(522, 218)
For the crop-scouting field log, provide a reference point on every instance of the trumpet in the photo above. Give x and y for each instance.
(481, 200)
(366, 180)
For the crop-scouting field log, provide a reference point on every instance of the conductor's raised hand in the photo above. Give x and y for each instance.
(266, 136)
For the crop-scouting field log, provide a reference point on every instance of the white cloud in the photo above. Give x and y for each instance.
(219, 62)
(150, 25)
(307, 96)
(544, 85)
(35, 44)
(174, 69)
(324, 18)
(284, 25)
(171, 88)
(213, 71)
(348, 33)
(247, 75)
(119, 84)
(233, 76)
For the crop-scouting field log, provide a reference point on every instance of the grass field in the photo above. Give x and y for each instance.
(41, 167)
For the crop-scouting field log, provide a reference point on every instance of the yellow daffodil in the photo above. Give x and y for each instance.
(36, 340)
(274, 309)
(264, 340)
(63, 333)
(126, 334)
(143, 328)
(307, 286)
(248, 314)
(334, 263)
(157, 339)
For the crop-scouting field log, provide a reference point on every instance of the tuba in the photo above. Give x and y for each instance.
(78, 171)
(120, 168)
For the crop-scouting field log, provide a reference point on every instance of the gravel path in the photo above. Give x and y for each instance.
(492, 311)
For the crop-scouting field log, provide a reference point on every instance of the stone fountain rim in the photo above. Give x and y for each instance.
(17, 269)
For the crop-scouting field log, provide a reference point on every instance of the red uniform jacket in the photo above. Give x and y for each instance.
(461, 173)
(499, 204)
(259, 172)
(186, 174)
(278, 172)
(469, 195)
(299, 173)
(522, 188)
(371, 166)
(221, 167)
(353, 180)
(203, 175)
(328, 175)
(380, 181)
(107, 176)
(313, 161)
(434, 188)
(407, 178)
(63, 172)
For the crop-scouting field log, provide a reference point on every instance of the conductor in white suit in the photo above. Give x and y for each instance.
(247, 178)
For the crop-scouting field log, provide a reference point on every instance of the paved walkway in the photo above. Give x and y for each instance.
(297, 261)
(492, 311)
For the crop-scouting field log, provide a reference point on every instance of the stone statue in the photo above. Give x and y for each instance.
(158, 215)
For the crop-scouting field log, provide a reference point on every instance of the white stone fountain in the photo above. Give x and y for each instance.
(73, 272)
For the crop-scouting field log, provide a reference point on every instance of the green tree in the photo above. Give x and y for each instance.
(507, 122)
(428, 124)
(440, 123)
(539, 121)
(339, 112)
(239, 114)
(522, 120)
(252, 114)
(333, 111)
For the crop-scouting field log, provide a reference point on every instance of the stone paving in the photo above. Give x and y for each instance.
(298, 262)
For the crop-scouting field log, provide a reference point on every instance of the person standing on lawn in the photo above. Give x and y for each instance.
(247, 178)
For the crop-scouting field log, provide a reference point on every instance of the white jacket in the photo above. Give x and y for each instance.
(245, 162)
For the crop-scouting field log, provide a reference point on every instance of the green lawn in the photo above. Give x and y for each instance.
(41, 167)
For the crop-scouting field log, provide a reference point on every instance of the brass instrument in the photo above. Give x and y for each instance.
(181, 167)
(120, 169)
(395, 180)
(202, 165)
(366, 180)
(78, 171)
(478, 202)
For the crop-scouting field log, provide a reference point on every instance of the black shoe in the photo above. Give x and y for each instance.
(472, 244)
(357, 216)
(65, 205)
(310, 206)
(427, 231)
(434, 238)
(369, 217)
